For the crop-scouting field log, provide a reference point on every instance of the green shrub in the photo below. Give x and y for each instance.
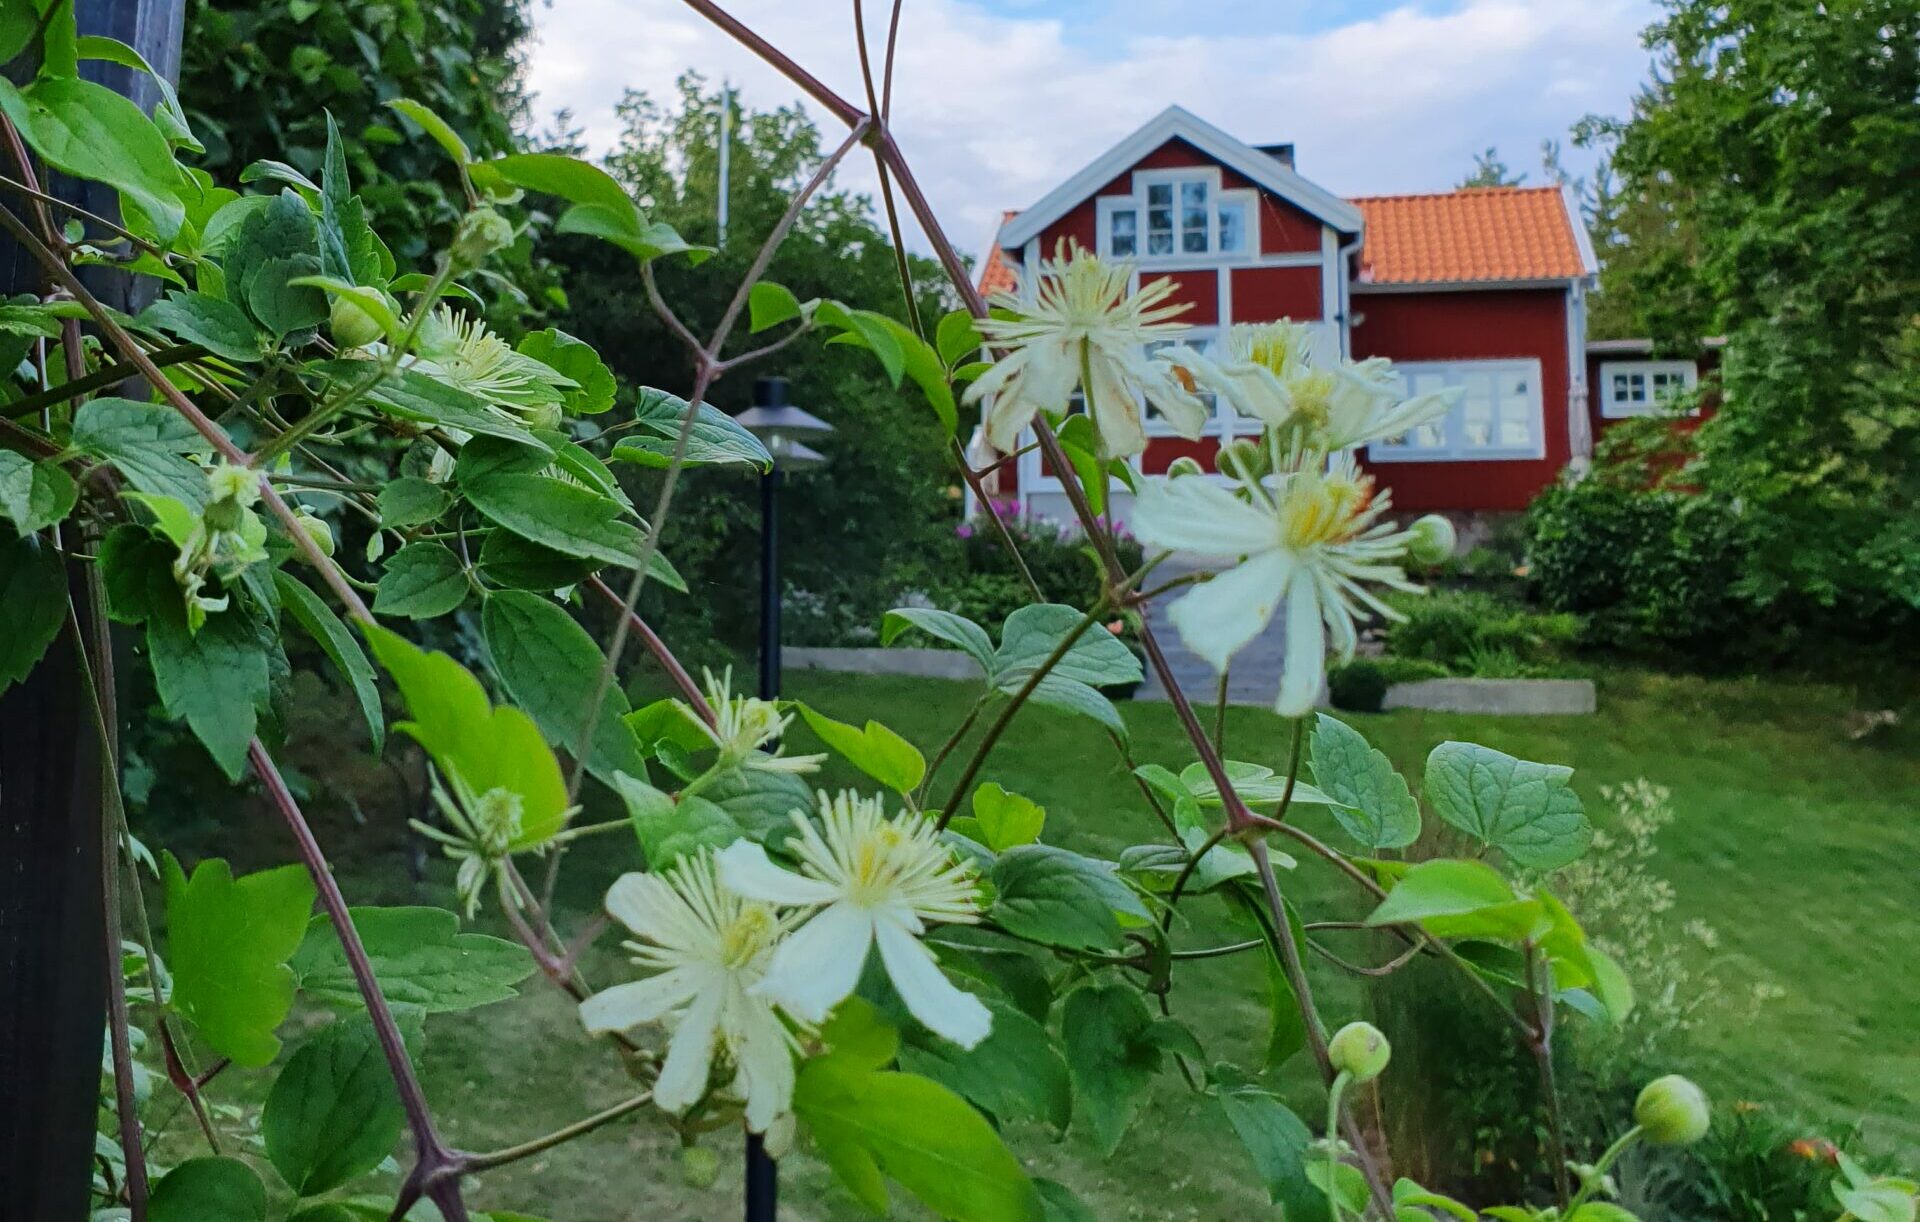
(1357, 686)
(986, 584)
(1475, 633)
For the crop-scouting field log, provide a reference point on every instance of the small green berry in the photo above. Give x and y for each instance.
(481, 232)
(317, 530)
(1242, 460)
(1672, 1111)
(1184, 465)
(351, 326)
(1360, 1051)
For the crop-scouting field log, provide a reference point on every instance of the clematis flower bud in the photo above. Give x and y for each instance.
(699, 1166)
(351, 326)
(1184, 465)
(1242, 460)
(1433, 540)
(317, 530)
(1360, 1051)
(1672, 1111)
(481, 232)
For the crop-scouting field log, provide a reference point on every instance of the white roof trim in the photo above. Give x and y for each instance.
(1581, 238)
(1176, 121)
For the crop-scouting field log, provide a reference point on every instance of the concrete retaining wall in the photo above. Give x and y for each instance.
(1522, 697)
(926, 663)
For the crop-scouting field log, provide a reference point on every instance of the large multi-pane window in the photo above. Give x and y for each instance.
(1499, 414)
(1173, 216)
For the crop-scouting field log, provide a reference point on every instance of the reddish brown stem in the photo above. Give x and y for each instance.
(430, 1151)
(658, 648)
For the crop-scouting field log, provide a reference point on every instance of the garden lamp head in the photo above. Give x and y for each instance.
(782, 426)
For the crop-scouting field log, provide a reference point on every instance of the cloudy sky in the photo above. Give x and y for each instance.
(997, 101)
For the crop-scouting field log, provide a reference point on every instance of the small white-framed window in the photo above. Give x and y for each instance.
(1179, 217)
(1499, 415)
(1200, 339)
(1643, 388)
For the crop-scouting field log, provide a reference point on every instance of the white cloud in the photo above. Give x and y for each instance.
(994, 110)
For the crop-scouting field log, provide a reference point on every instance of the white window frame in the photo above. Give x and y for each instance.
(1247, 199)
(1220, 422)
(1623, 409)
(1453, 425)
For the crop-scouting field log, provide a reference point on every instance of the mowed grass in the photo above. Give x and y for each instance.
(1795, 842)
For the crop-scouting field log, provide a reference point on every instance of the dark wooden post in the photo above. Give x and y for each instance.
(52, 929)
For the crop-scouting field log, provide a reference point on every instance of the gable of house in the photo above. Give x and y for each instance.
(1481, 289)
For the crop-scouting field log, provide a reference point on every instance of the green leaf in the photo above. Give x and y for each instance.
(33, 606)
(478, 745)
(209, 1190)
(421, 581)
(145, 444)
(875, 750)
(334, 1112)
(339, 646)
(1112, 1057)
(517, 564)
(1375, 806)
(167, 116)
(577, 360)
(570, 178)
(281, 294)
(761, 801)
(628, 228)
(228, 942)
(1257, 785)
(1279, 1143)
(1014, 1074)
(669, 830)
(411, 395)
(137, 568)
(1452, 898)
(369, 301)
(431, 123)
(551, 667)
(1062, 1205)
(1097, 658)
(716, 439)
(1525, 810)
(1007, 819)
(957, 337)
(1073, 696)
(218, 680)
(89, 131)
(1060, 898)
(218, 326)
(412, 501)
(865, 1123)
(34, 494)
(270, 245)
(941, 625)
(420, 959)
(553, 512)
(769, 305)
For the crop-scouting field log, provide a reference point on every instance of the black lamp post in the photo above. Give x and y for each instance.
(780, 426)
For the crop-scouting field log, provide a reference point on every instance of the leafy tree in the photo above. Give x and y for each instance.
(1490, 170)
(1769, 180)
(881, 517)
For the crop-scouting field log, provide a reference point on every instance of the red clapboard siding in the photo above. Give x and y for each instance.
(1262, 294)
(1460, 326)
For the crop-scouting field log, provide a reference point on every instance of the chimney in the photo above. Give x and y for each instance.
(1282, 153)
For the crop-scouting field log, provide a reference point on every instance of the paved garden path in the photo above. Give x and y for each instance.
(1255, 675)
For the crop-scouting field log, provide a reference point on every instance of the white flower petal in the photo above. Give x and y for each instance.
(746, 870)
(1217, 618)
(683, 1076)
(1199, 515)
(1306, 660)
(625, 1006)
(819, 964)
(764, 1066)
(937, 1002)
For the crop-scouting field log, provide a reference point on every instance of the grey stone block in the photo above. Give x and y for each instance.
(1516, 697)
(926, 663)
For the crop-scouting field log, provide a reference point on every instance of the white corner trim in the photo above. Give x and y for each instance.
(1176, 121)
(1582, 240)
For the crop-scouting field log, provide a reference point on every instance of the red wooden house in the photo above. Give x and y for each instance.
(1484, 289)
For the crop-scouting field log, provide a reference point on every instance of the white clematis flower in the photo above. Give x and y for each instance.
(1309, 539)
(459, 350)
(875, 881)
(743, 724)
(1085, 330)
(1274, 373)
(708, 948)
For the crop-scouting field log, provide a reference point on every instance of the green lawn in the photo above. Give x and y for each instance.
(1795, 842)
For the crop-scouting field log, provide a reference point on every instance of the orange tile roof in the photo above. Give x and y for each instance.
(996, 273)
(1475, 234)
